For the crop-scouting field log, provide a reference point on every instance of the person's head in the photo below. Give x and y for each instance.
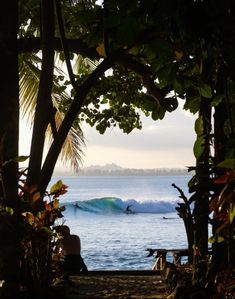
(63, 230)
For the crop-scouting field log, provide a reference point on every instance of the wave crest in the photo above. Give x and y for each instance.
(113, 205)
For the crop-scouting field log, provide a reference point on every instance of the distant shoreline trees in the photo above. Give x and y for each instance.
(99, 171)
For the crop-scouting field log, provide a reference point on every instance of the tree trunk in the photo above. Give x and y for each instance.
(223, 253)
(40, 280)
(201, 207)
(220, 250)
(44, 108)
(9, 135)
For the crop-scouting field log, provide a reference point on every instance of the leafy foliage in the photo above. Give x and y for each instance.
(155, 34)
(37, 233)
(155, 52)
(223, 206)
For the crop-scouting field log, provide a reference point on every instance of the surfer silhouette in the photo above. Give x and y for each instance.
(70, 247)
(129, 210)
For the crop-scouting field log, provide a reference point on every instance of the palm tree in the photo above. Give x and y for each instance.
(29, 71)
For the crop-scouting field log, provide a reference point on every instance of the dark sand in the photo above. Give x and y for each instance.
(116, 284)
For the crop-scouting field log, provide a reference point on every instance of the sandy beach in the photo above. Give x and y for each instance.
(116, 284)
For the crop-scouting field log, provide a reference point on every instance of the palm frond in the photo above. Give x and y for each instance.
(29, 82)
(83, 65)
(72, 149)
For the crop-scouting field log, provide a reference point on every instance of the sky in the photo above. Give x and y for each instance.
(165, 143)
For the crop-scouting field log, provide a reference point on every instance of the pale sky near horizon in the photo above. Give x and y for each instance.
(164, 143)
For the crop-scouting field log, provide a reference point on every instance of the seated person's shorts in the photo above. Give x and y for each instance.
(73, 264)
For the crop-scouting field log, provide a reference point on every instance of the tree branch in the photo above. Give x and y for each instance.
(64, 45)
(54, 151)
(26, 45)
(182, 195)
(78, 46)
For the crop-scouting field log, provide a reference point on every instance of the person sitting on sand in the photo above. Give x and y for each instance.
(70, 247)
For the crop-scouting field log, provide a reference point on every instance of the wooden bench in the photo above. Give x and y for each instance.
(161, 253)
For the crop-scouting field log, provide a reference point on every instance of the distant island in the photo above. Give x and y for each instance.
(116, 170)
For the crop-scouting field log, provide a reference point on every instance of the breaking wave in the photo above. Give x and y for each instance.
(112, 205)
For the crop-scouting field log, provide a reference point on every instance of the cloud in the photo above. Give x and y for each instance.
(175, 131)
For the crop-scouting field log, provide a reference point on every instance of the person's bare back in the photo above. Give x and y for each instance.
(70, 247)
(70, 244)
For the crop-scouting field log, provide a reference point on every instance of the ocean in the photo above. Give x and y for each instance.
(113, 238)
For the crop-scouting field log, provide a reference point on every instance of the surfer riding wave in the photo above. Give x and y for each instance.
(129, 210)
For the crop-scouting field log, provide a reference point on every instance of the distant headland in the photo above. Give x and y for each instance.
(115, 170)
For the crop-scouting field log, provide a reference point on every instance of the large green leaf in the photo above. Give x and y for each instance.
(178, 85)
(199, 146)
(57, 186)
(16, 160)
(227, 163)
(158, 113)
(205, 90)
(165, 75)
(217, 100)
(216, 239)
(198, 127)
(193, 103)
(232, 212)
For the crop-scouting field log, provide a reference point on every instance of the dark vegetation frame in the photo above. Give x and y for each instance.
(158, 51)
